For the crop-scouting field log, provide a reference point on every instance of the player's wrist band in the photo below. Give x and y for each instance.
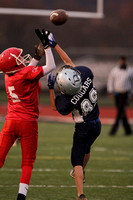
(55, 43)
(37, 57)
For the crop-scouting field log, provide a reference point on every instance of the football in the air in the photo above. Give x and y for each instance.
(58, 17)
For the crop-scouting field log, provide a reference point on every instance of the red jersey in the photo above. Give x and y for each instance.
(22, 90)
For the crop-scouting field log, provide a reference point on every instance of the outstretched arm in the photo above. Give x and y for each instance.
(52, 99)
(66, 59)
(60, 51)
(50, 63)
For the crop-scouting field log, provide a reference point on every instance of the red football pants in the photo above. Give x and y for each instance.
(28, 133)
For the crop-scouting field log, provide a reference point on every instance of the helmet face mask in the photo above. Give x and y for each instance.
(11, 60)
(22, 60)
(68, 80)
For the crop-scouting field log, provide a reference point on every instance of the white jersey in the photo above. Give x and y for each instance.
(120, 80)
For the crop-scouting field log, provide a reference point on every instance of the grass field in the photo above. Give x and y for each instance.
(109, 174)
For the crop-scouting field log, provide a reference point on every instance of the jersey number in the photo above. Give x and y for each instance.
(13, 95)
(87, 105)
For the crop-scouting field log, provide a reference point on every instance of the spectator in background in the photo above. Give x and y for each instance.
(119, 86)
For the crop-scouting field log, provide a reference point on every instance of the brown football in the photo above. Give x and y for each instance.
(58, 17)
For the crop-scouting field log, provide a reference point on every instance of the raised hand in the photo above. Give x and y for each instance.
(52, 42)
(43, 36)
(39, 51)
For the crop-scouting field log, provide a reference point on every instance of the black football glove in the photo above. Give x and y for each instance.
(43, 37)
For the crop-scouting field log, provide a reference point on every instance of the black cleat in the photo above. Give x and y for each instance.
(21, 197)
(81, 197)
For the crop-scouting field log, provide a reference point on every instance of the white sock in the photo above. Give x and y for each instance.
(23, 188)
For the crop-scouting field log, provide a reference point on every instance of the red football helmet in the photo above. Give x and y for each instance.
(11, 60)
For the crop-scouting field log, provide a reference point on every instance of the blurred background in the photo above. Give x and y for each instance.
(96, 43)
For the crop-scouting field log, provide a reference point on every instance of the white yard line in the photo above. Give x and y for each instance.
(72, 186)
(64, 170)
(111, 158)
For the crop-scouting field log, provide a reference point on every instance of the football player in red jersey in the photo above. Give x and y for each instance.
(22, 88)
